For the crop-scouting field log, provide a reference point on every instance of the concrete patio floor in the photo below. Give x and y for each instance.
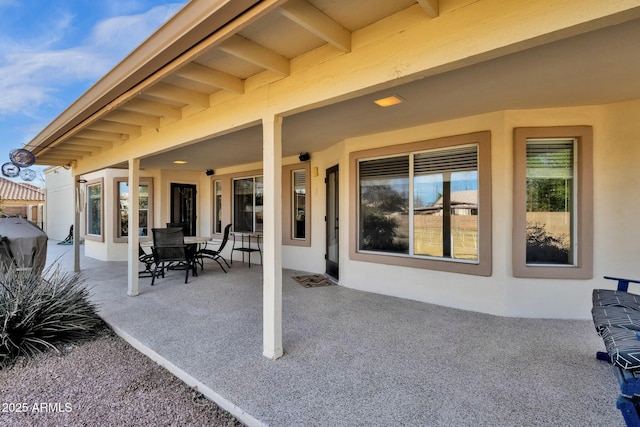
(354, 358)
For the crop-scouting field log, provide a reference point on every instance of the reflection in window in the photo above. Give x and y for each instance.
(217, 208)
(439, 220)
(445, 196)
(384, 204)
(299, 203)
(247, 204)
(123, 209)
(94, 209)
(550, 210)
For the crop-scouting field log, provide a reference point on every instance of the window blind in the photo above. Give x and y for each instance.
(461, 159)
(390, 167)
(550, 159)
(299, 179)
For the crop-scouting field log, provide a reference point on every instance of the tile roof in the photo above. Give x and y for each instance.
(11, 190)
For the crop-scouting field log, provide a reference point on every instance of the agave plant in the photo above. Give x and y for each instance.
(40, 312)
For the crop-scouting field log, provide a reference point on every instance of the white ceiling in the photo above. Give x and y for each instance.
(598, 67)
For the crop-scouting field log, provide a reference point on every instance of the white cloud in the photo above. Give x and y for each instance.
(33, 75)
(33, 79)
(122, 34)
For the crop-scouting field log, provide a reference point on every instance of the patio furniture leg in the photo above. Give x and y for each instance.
(629, 411)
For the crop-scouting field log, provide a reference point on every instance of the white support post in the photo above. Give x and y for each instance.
(79, 203)
(272, 236)
(134, 215)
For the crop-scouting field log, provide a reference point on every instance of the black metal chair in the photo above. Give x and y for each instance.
(215, 254)
(147, 260)
(186, 227)
(170, 251)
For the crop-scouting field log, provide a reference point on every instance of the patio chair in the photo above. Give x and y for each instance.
(147, 260)
(170, 251)
(216, 254)
(186, 229)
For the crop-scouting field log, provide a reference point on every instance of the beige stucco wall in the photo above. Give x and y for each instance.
(615, 234)
(616, 153)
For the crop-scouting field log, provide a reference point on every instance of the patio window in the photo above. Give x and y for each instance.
(299, 206)
(552, 199)
(296, 204)
(426, 204)
(217, 206)
(94, 210)
(247, 204)
(122, 208)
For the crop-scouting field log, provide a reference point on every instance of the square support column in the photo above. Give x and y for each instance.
(272, 236)
(79, 203)
(133, 239)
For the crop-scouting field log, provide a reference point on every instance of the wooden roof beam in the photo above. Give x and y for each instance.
(90, 149)
(315, 21)
(67, 154)
(100, 135)
(431, 7)
(90, 143)
(254, 53)
(179, 94)
(135, 119)
(123, 130)
(151, 108)
(44, 160)
(201, 74)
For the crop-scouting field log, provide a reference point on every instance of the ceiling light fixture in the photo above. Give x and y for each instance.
(180, 162)
(389, 101)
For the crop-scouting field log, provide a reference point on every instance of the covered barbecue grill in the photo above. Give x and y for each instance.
(25, 244)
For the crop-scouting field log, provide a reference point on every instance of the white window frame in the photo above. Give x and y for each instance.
(88, 185)
(254, 211)
(116, 233)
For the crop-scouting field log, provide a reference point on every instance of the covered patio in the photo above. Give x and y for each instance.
(353, 357)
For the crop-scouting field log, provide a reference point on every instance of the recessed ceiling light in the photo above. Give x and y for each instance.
(389, 101)
(180, 162)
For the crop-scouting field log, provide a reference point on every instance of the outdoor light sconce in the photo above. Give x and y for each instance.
(81, 181)
(304, 157)
(209, 172)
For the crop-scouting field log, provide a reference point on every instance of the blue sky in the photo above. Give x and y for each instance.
(52, 51)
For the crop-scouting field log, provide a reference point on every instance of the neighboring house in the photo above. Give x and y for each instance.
(533, 104)
(18, 199)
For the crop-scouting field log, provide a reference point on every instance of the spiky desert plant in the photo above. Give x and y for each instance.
(39, 312)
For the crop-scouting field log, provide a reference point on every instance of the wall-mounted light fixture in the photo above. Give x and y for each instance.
(209, 172)
(304, 157)
(81, 181)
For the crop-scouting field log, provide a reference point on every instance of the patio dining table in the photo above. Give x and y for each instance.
(188, 240)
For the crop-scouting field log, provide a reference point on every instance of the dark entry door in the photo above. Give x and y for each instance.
(183, 206)
(332, 253)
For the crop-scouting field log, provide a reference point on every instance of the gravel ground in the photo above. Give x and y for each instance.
(103, 382)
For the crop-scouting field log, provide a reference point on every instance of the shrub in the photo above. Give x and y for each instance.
(43, 312)
(544, 248)
(380, 232)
